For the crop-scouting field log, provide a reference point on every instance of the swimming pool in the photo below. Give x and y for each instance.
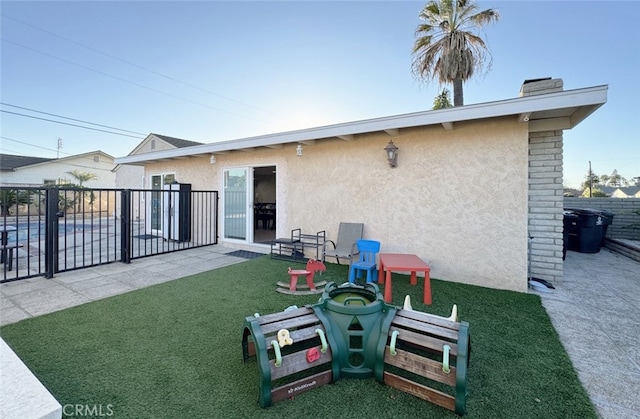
(36, 231)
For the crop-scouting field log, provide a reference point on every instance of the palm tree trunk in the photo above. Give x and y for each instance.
(458, 95)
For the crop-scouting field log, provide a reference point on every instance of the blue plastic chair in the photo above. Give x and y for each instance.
(366, 250)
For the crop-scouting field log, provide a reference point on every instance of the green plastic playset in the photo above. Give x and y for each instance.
(352, 332)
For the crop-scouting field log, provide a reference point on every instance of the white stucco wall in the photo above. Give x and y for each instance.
(35, 175)
(129, 177)
(458, 199)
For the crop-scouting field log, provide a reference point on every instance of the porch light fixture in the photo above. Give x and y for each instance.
(392, 154)
(212, 159)
(299, 150)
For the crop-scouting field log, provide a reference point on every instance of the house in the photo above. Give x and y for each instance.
(131, 176)
(626, 192)
(324, 175)
(25, 171)
(616, 191)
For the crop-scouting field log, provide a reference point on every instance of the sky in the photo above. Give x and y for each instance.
(211, 71)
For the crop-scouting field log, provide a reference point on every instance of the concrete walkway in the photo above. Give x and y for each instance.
(595, 310)
(36, 296)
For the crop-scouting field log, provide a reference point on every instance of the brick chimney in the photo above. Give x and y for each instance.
(543, 86)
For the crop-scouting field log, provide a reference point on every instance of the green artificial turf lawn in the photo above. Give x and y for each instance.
(174, 351)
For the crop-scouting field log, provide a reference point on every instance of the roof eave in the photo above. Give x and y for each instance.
(585, 101)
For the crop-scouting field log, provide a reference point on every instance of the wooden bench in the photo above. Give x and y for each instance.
(7, 254)
(300, 365)
(433, 348)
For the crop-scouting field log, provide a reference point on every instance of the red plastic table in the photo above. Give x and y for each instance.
(402, 262)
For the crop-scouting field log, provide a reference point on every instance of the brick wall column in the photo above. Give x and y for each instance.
(546, 204)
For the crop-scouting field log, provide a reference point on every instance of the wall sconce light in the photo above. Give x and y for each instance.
(299, 150)
(212, 159)
(392, 154)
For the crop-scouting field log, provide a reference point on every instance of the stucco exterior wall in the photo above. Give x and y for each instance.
(458, 199)
(195, 170)
(130, 177)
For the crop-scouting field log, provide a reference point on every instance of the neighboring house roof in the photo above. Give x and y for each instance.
(11, 162)
(552, 111)
(626, 192)
(28, 171)
(173, 142)
(143, 146)
(177, 142)
(618, 191)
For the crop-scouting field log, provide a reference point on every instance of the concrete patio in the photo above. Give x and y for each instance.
(594, 310)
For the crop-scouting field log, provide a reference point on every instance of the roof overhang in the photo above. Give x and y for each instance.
(553, 111)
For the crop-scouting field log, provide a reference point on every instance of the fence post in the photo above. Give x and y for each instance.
(51, 232)
(125, 226)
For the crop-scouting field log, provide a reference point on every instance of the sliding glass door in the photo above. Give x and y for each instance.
(156, 204)
(236, 203)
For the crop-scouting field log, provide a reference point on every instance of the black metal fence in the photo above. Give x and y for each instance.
(49, 230)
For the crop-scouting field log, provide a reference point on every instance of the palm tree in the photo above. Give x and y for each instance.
(446, 47)
(442, 100)
(10, 197)
(82, 177)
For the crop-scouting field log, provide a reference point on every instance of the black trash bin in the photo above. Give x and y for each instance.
(587, 234)
(570, 233)
(607, 219)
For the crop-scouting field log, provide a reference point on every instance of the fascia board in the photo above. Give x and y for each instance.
(569, 98)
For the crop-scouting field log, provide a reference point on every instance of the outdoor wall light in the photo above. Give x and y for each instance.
(392, 154)
(212, 159)
(299, 150)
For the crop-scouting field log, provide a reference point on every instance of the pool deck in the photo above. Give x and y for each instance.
(595, 310)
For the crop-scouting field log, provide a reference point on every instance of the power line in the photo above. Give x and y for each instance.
(71, 119)
(66, 123)
(32, 145)
(126, 81)
(54, 161)
(29, 144)
(137, 65)
(10, 150)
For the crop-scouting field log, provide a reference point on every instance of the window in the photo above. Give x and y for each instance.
(49, 182)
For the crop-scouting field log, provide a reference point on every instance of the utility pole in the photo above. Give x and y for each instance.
(59, 146)
(590, 179)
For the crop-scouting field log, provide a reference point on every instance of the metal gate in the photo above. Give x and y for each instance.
(49, 230)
